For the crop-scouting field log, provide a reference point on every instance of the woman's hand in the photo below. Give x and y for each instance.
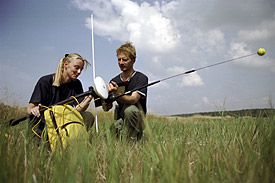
(34, 109)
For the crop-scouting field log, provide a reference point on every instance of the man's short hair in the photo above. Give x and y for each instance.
(127, 48)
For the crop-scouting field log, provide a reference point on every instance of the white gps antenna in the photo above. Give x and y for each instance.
(93, 58)
(100, 88)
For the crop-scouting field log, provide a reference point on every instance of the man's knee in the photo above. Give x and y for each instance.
(130, 111)
(117, 126)
(134, 120)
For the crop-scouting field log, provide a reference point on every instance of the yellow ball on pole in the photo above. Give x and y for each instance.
(261, 51)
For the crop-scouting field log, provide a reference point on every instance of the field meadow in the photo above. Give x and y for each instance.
(173, 149)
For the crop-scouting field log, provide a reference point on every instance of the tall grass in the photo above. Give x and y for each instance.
(172, 150)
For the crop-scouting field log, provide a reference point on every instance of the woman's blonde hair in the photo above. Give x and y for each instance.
(60, 68)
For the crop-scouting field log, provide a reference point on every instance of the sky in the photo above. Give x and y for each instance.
(170, 37)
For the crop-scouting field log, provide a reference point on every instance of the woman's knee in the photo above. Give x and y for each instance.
(88, 118)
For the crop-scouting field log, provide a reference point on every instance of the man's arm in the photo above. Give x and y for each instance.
(126, 99)
(130, 99)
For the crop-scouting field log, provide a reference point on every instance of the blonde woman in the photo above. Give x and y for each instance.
(53, 88)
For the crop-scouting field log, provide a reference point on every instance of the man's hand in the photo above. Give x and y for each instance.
(113, 87)
(126, 99)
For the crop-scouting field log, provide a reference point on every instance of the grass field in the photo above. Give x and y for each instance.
(172, 150)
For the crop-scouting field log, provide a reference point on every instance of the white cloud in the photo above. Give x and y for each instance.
(192, 79)
(264, 31)
(143, 24)
(176, 70)
(209, 42)
(205, 100)
(239, 49)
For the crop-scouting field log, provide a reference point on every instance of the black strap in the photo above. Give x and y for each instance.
(55, 127)
(63, 126)
(73, 122)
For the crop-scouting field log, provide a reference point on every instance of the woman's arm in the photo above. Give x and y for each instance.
(84, 104)
(34, 109)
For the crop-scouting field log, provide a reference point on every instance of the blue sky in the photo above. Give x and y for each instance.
(170, 37)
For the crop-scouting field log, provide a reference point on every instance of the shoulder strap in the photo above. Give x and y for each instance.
(55, 126)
